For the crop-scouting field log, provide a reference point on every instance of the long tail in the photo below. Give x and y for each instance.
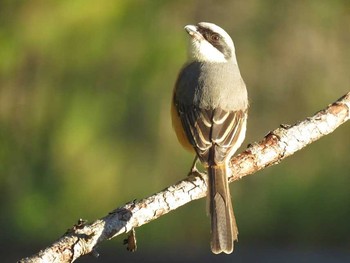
(223, 223)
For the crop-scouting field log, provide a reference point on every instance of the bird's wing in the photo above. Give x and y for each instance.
(208, 128)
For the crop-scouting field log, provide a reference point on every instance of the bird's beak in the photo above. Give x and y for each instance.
(192, 31)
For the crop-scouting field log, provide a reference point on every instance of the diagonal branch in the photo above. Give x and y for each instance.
(277, 145)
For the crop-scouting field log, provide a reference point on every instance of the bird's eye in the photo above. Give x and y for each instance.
(215, 37)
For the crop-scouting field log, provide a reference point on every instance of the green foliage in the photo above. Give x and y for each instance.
(85, 90)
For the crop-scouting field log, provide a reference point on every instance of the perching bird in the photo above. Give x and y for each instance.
(209, 116)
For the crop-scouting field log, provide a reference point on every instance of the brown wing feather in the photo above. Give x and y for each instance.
(196, 124)
(226, 134)
(211, 127)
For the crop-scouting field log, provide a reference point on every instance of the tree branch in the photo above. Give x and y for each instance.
(276, 146)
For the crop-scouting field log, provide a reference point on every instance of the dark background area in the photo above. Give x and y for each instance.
(85, 89)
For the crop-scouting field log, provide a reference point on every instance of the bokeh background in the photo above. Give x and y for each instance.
(85, 89)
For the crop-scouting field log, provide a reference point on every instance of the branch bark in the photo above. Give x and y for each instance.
(276, 146)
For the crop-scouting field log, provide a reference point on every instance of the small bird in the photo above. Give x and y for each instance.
(209, 115)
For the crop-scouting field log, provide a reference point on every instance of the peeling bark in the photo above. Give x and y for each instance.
(82, 238)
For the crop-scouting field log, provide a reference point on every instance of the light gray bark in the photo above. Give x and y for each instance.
(277, 145)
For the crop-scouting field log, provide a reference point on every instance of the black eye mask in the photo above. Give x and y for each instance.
(219, 44)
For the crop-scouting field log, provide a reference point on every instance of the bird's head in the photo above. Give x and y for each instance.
(210, 43)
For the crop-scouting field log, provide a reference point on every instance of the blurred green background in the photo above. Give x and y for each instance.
(85, 89)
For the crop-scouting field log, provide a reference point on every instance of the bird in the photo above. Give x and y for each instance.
(209, 112)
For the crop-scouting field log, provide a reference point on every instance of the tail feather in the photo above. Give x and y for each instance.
(223, 223)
